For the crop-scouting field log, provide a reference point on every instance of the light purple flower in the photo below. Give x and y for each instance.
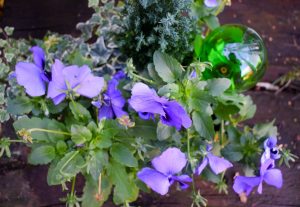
(166, 166)
(73, 79)
(271, 150)
(211, 3)
(113, 102)
(32, 75)
(268, 174)
(217, 164)
(145, 100)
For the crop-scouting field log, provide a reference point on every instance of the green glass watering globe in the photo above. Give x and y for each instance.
(236, 52)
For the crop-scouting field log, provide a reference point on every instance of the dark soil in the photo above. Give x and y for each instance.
(278, 22)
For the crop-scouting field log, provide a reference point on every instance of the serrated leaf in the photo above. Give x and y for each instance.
(66, 168)
(217, 86)
(98, 160)
(19, 105)
(90, 191)
(80, 112)
(169, 89)
(212, 22)
(265, 130)
(125, 189)
(123, 155)
(29, 123)
(167, 67)
(41, 155)
(164, 132)
(80, 134)
(232, 152)
(203, 124)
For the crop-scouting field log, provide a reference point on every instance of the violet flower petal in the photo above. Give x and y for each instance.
(29, 76)
(244, 184)
(211, 3)
(155, 180)
(144, 99)
(202, 165)
(175, 116)
(183, 180)
(106, 112)
(38, 56)
(170, 162)
(273, 177)
(218, 164)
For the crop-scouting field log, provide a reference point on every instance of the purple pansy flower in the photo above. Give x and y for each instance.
(31, 75)
(119, 75)
(271, 150)
(211, 3)
(70, 79)
(217, 164)
(113, 102)
(166, 166)
(145, 101)
(268, 174)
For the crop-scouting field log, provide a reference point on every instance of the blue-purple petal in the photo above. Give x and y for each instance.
(170, 162)
(29, 76)
(218, 164)
(155, 180)
(183, 180)
(244, 184)
(38, 56)
(202, 165)
(211, 3)
(273, 177)
(144, 99)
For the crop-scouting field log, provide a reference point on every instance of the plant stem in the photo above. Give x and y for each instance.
(15, 140)
(190, 158)
(48, 131)
(142, 78)
(73, 186)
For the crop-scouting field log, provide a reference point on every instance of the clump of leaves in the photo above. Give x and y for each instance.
(150, 25)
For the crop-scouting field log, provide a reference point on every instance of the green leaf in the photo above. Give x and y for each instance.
(90, 191)
(164, 132)
(29, 123)
(203, 124)
(212, 22)
(265, 130)
(19, 105)
(169, 89)
(80, 134)
(61, 147)
(217, 86)
(98, 160)
(66, 168)
(41, 155)
(9, 30)
(167, 67)
(125, 188)
(80, 112)
(93, 3)
(198, 42)
(123, 155)
(232, 152)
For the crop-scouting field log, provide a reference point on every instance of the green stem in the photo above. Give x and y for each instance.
(73, 186)
(15, 140)
(48, 131)
(142, 78)
(190, 158)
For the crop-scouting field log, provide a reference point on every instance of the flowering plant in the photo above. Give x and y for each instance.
(93, 114)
